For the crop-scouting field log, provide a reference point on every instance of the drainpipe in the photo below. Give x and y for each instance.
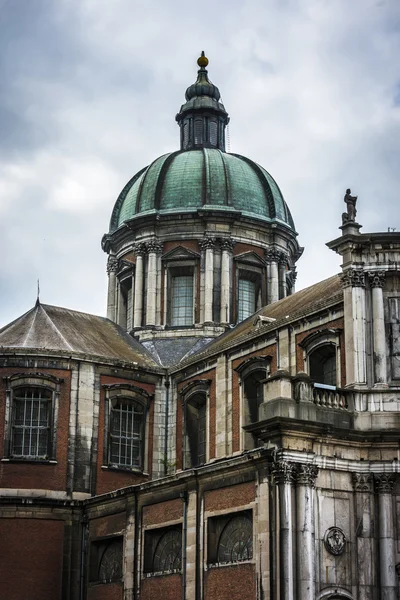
(135, 548)
(184, 496)
(83, 556)
(167, 384)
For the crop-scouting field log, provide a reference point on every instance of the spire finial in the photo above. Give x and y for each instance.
(38, 293)
(202, 61)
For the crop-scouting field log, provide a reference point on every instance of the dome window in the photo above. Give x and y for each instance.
(198, 132)
(182, 300)
(213, 133)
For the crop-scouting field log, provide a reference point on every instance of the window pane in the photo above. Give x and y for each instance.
(247, 299)
(182, 300)
(126, 427)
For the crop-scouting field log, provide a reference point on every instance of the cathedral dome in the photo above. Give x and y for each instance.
(206, 179)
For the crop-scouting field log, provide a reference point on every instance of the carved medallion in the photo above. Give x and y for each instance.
(335, 541)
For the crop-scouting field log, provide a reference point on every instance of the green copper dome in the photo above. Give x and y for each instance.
(203, 179)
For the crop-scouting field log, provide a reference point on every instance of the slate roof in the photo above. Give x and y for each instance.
(305, 302)
(59, 329)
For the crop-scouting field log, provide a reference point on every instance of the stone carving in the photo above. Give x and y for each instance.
(154, 245)
(335, 541)
(353, 278)
(303, 391)
(384, 483)
(351, 201)
(306, 474)
(112, 264)
(272, 254)
(363, 482)
(376, 278)
(227, 244)
(206, 243)
(139, 249)
(283, 258)
(283, 471)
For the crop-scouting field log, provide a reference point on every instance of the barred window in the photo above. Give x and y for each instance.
(168, 554)
(31, 422)
(126, 433)
(236, 541)
(182, 300)
(247, 299)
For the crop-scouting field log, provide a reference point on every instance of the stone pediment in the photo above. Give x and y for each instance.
(250, 258)
(180, 253)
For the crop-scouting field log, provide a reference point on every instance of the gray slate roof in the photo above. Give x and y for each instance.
(54, 328)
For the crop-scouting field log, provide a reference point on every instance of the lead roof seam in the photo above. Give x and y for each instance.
(30, 329)
(54, 326)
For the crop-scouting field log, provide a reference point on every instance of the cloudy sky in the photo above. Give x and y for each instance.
(88, 94)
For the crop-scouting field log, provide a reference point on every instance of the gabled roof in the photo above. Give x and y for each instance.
(58, 329)
(305, 302)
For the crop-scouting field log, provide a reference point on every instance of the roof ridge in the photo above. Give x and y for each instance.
(54, 326)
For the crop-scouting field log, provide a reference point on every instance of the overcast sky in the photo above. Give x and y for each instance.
(88, 94)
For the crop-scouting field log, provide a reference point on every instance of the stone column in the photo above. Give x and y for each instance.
(377, 280)
(153, 248)
(227, 247)
(366, 556)
(112, 268)
(272, 257)
(283, 476)
(138, 298)
(353, 282)
(208, 244)
(282, 274)
(306, 475)
(158, 284)
(387, 564)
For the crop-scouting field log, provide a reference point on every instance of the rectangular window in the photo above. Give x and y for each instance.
(31, 422)
(247, 299)
(182, 300)
(126, 433)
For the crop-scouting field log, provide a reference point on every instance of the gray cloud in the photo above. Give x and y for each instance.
(89, 92)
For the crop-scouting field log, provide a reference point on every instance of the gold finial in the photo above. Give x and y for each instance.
(202, 61)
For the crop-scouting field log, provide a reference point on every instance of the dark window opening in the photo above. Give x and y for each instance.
(195, 431)
(253, 389)
(106, 560)
(163, 550)
(182, 300)
(230, 538)
(323, 365)
(31, 414)
(126, 433)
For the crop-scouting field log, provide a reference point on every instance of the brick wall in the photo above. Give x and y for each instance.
(168, 587)
(163, 512)
(236, 582)
(230, 497)
(31, 553)
(107, 591)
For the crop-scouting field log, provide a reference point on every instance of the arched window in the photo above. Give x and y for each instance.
(253, 372)
(110, 567)
(322, 363)
(236, 541)
(126, 433)
(168, 552)
(195, 430)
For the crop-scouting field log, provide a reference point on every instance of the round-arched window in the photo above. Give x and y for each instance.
(168, 554)
(236, 540)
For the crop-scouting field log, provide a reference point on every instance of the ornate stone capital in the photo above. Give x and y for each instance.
(283, 471)
(112, 264)
(283, 258)
(272, 255)
(384, 482)
(207, 243)
(353, 278)
(306, 474)
(363, 482)
(227, 244)
(154, 245)
(376, 278)
(139, 249)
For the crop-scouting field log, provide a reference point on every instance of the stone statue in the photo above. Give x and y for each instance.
(350, 215)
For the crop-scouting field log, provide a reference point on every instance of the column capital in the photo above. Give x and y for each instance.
(283, 471)
(283, 258)
(112, 264)
(353, 278)
(384, 482)
(363, 482)
(272, 254)
(376, 279)
(139, 249)
(207, 243)
(306, 474)
(154, 245)
(227, 244)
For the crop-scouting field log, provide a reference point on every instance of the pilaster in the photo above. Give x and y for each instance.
(353, 282)
(227, 248)
(384, 483)
(306, 475)
(208, 245)
(284, 474)
(138, 299)
(272, 256)
(112, 267)
(366, 550)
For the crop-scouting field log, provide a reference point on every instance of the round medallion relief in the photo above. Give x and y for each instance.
(335, 541)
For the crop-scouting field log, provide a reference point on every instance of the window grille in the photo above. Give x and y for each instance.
(129, 309)
(31, 422)
(185, 134)
(168, 553)
(236, 540)
(198, 131)
(247, 299)
(182, 300)
(110, 567)
(126, 433)
(213, 130)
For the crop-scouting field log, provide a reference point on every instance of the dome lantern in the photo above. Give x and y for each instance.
(203, 117)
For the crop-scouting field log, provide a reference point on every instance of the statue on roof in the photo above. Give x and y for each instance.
(351, 201)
